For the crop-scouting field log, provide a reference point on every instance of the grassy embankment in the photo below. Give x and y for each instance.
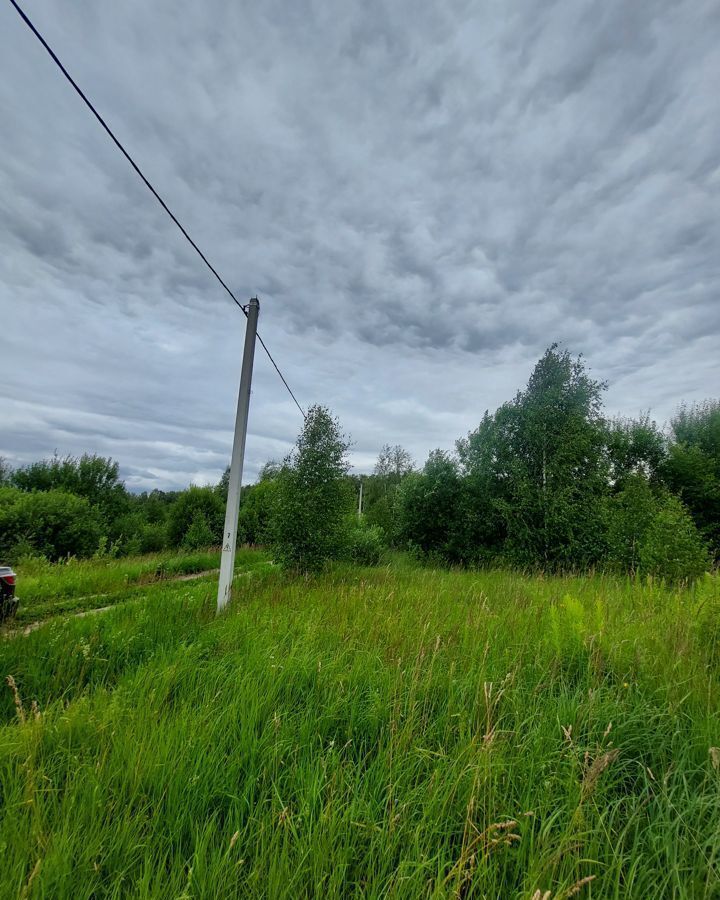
(390, 732)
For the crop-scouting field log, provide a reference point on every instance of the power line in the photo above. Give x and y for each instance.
(282, 377)
(149, 186)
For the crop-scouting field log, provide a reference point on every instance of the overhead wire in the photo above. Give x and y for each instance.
(23, 15)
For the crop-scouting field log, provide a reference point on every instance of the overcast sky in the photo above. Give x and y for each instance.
(423, 196)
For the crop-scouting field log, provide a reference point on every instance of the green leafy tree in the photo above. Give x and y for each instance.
(484, 474)
(430, 509)
(256, 506)
(311, 497)
(224, 484)
(635, 447)
(394, 463)
(96, 478)
(630, 512)
(547, 464)
(152, 537)
(692, 469)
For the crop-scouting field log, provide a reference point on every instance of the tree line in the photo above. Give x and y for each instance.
(546, 482)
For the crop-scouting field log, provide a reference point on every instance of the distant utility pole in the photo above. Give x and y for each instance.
(360, 500)
(227, 561)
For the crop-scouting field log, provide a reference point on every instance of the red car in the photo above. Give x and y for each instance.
(8, 600)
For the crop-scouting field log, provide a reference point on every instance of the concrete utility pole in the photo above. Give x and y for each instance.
(360, 500)
(227, 561)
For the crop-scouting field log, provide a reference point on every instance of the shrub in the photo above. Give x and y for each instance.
(255, 512)
(152, 537)
(365, 545)
(51, 523)
(673, 548)
(196, 500)
(96, 478)
(431, 510)
(199, 535)
(628, 516)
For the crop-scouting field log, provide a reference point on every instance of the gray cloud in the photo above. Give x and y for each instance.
(424, 196)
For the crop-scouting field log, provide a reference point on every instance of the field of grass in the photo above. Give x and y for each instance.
(396, 732)
(47, 589)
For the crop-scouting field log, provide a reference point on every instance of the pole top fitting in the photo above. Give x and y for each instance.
(254, 302)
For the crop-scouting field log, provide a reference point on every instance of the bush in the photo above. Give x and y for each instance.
(365, 545)
(152, 538)
(96, 478)
(628, 516)
(199, 535)
(255, 510)
(204, 500)
(53, 524)
(673, 548)
(650, 531)
(431, 511)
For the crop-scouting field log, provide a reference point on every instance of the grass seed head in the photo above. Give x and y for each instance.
(19, 708)
(595, 770)
(579, 885)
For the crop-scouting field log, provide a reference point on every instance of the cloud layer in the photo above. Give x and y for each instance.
(423, 196)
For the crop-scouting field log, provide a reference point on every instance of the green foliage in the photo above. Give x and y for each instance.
(224, 484)
(544, 482)
(199, 535)
(485, 486)
(571, 623)
(311, 497)
(649, 531)
(629, 514)
(393, 464)
(672, 548)
(380, 506)
(536, 470)
(429, 509)
(698, 425)
(692, 469)
(96, 478)
(256, 506)
(51, 524)
(380, 490)
(550, 465)
(183, 514)
(152, 538)
(365, 544)
(635, 447)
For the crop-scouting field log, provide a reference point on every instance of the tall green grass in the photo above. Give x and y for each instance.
(392, 732)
